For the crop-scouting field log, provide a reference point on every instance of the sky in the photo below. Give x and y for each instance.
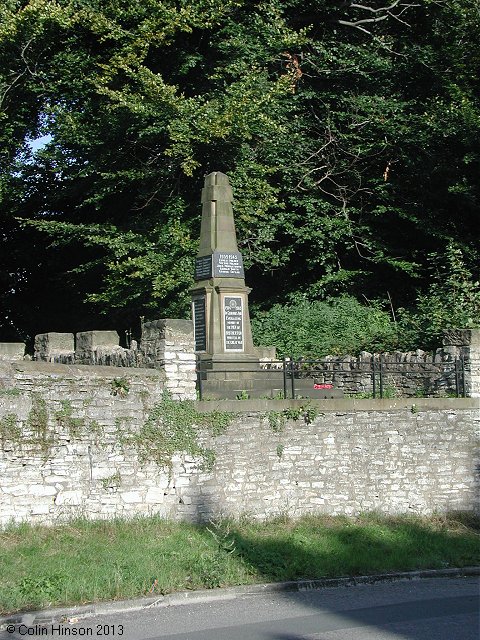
(38, 143)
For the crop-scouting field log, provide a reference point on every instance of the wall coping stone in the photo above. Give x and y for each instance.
(12, 350)
(170, 324)
(98, 371)
(343, 404)
(89, 340)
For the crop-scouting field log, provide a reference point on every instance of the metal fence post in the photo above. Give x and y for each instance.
(284, 378)
(293, 377)
(462, 369)
(374, 389)
(199, 380)
(380, 371)
(457, 378)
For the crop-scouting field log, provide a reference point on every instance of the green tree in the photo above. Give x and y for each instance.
(452, 301)
(350, 135)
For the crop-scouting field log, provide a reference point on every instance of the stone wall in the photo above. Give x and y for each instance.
(53, 419)
(453, 368)
(168, 345)
(356, 455)
(65, 452)
(402, 374)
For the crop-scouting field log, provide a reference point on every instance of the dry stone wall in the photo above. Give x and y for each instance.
(403, 374)
(168, 345)
(354, 456)
(66, 442)
(453, 369)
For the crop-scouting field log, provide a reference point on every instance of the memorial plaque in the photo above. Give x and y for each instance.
(228, 265)
(203, 268)
(233, 323)
(199, 324)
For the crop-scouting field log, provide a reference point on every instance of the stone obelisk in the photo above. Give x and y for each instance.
(220, 297)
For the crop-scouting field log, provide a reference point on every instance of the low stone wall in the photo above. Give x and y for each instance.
(65, 451)
(402, 374)
(166, 345)
(452, 369)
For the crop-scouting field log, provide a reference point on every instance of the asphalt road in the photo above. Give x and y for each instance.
(428, 609)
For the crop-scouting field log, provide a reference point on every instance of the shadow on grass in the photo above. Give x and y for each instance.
(130, 556)
(310, 550)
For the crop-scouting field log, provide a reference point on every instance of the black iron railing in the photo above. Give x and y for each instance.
(376, 378)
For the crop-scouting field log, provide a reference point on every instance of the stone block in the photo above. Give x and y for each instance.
(41, 490)
(171, 330)
(131, 497)
(70, 498)
(16, 490)
(266, 353)
(40, 509)
(155, 495)
(12, 351)
(90, 340)
(47, 344)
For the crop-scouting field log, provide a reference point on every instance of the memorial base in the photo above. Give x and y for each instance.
(231, 385)
(220, 379)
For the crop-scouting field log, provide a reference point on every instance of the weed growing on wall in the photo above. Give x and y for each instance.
(65, 419)
(10, 430)
(174, 426)
(37, 434)
(112, 482)
(37, 422)
(278, 419)
(120, 387)
(14, 392)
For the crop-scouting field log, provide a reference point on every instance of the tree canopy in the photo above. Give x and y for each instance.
(350, 133)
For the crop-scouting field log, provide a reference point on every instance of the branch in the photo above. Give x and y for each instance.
(386, 12)
(362, 6)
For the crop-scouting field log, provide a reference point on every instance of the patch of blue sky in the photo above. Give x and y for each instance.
(39, 143)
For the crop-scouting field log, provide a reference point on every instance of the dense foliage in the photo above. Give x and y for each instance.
(350, 132)
(336, 327)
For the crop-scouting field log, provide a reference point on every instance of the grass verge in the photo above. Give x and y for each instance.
(84, 561)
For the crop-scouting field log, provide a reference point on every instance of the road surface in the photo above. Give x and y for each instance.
(428, 609)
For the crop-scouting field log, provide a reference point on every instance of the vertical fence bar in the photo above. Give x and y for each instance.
(374, 385)
(284, 378)
(292, 372)
(457, 378)
(380, 371)
(462, 370)
(199, 380)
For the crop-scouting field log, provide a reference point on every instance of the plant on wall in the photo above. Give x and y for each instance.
(173, 427)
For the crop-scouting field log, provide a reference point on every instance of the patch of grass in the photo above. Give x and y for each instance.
(84, 561)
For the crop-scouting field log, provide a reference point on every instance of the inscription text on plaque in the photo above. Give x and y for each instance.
(227, 265)
(233, 323)
(200, 323)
